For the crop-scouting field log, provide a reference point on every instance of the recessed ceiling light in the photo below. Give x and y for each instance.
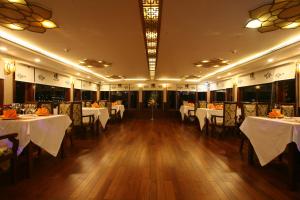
(216, 66)
(78, 74)
(229, 74)
(100, 61)
(270, 60)
(37, 60)
(205, 61)
(219, 77)
(3, 49)
(255, 23)
(89, 66)
(88, 77)
(199, 65)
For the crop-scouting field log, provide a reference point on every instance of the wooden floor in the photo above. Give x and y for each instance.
(143, 159)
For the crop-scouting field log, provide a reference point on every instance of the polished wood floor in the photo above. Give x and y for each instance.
(143, 159)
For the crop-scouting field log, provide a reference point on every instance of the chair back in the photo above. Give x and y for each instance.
(248, 109)
(109, 107)
(77, 113)
(48, 105)
(229, 113)
(262, 109)
(83, 103)
(102, 104)
(288, 110)
(65, 109)
(202, 104)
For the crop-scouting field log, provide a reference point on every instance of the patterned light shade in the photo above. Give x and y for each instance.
(280, 14)
(215, 62)
(151, 10)
(20, 15)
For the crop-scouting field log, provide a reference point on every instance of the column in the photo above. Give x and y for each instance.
(72, 92)
(140, 98)
(297, 82)
(8, 89)
(98, 93)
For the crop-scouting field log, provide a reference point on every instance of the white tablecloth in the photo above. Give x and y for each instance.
(99, 113)
(184, 110)
(119, 108)
(269, 137)
(46, 132)
(203, 113)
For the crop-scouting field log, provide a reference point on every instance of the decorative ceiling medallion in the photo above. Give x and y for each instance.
(191, 77)
(151, 14)
(20, 15)
(215, 62)
(90, 63)
(116, 77)
(280, 14)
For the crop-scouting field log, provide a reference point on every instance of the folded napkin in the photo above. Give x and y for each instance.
(95, 105)
(42, 111)
(10, 114)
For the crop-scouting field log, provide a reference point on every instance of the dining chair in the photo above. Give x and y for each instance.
(112, 111)
(288, 110)
(10, 153)
(262, 109)
(248, 109)
(65, 108)
(202, 104)
(48, 105)
(77, 116)
(228, 120)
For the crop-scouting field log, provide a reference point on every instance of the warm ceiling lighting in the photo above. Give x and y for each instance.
(90, 63)
(77, 73)
(13, 27)
(169, 79)
(215, 62)
(219, 77)
(18, 1)
(292, 25)
(255, 23)
(270, 60)
(27, 45)
(20, 15)
(48, 24)
(229, 74)
(280, 14)
(3, 49)
(135, 79)
(37, 60)
(150, 10)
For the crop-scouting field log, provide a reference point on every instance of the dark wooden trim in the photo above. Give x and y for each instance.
(1, 91)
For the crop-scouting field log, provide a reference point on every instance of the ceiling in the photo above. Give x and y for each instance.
(190, 31)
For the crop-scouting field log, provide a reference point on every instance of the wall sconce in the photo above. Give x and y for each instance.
(9, 67)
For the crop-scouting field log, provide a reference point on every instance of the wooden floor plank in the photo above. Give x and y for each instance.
(142, 159)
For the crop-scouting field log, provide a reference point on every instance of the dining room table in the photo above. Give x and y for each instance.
(47, 132)
(270, 137)
(185, 109)
(119, 108)
(204, 116)
(100, 114)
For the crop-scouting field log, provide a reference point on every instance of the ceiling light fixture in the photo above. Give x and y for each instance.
(150, 10)
(90, 63)
(20, 15)
(37, 60)
(25, 44)
(286, 43)
(169, 79)
(270, 60)
(215, 62)
(3, 49)
(280, 14)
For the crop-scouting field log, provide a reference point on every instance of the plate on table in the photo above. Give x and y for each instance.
(276, 117)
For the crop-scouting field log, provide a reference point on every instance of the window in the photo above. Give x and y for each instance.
(104, 95)
(157, 95)
(186, 96)
(256, 93)
(119, 95)
(202, 96)
(51, 93)
(171, 99)
(134, 95)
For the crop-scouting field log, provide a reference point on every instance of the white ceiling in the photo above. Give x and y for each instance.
(190, 31)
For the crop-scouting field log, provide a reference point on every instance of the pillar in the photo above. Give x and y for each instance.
(98, 93)
(8, 89)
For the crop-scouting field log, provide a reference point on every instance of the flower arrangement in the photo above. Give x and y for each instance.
(152, 102)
